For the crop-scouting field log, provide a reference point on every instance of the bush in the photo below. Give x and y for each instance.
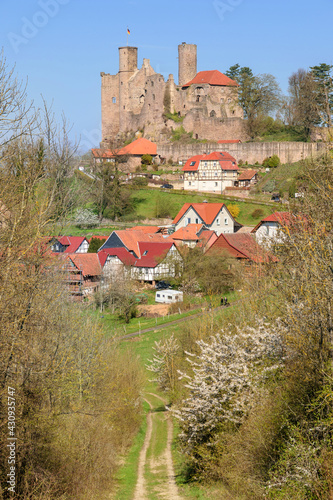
(146, 160)
(234, 210)
(95, 244)
(271, 161)
(140, 182)
(269, 186)
(257, 213)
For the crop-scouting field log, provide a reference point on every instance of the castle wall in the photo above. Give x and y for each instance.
(288, 152)
(212, 129)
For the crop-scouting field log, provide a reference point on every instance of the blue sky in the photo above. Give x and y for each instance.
(61, 46)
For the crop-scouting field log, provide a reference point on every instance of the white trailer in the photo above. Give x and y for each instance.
(168, 296)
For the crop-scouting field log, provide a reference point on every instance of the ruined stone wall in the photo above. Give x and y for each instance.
(288, 152)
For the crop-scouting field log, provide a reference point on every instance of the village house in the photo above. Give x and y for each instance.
(143, 255)
(69, 244)
(247, 178)
(130, 155)
(210, 173)
(82, 274)
(194, 235)
(157, 261)
(240, 246)
(215, 217)
(273, 227)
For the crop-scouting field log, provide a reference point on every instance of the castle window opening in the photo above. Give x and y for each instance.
(198, 98)
(114, 100)
(184, 106)
(124, 107)
(212, 114)
(152, 84)
(153, 97)
(142, 99)
(196, 136)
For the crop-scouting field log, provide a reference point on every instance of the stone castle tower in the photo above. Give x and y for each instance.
(140, 99)
(187, 62)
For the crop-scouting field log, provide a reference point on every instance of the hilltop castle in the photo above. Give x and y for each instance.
(140, 99)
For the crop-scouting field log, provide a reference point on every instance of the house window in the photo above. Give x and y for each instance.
(192, 163)
(267, 230)
(204, 174)
(226, 221)
(197, 220)
(215, 174)
(205, 164)
(217, 222)
(189, 183)
(169, 297)
(114, 100)
(214, 164)
(158, 295)
(145, 252)
(189, 220)
(147, 270)
(215, 184)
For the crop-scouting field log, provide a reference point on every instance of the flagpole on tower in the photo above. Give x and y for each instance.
(128, 32)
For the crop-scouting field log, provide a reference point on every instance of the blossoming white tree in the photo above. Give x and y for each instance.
(227, 375)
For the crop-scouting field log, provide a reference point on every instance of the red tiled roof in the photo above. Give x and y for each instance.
(131, 239)
(71, 242)
(283, 218)
(102, 153)
(188, 233)
(206, 211)
(206, 238)
(213, 77)
(241, 246)
(124, 255)
(247, 175)
(152, 253)
(140, 146)
(192, 168)
(229, 141)
(225, 159)
(144, 229)
(88, 263)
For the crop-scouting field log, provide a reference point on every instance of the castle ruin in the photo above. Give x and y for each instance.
(140, 99)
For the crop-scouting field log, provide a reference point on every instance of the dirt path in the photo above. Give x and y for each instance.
(156, 477)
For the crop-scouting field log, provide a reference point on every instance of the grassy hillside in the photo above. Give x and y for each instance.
(279, 179)
(146, 200)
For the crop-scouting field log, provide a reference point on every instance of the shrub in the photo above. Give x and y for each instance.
(146, 160)
(257, 213)
(234, 210)
(140, 181)
(269, 186)
(95, 244)
(271, 161)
